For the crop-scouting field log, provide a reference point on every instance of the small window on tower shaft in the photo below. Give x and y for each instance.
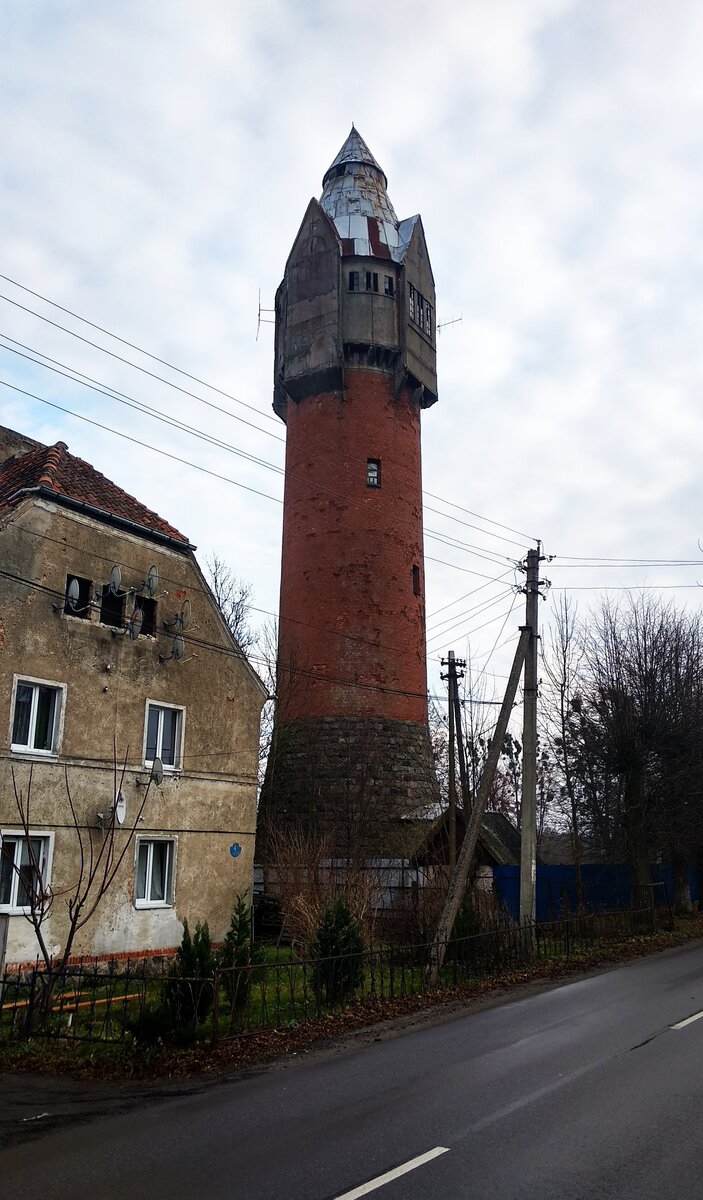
(371, 281)
(353, 281)
(388, 285)
(416, 580)
(411, 302)
(373, 472)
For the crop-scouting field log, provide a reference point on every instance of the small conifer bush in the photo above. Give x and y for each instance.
(337, 948)
(188, 991)
(238, 956)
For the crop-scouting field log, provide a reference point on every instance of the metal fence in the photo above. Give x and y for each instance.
(127, 1001)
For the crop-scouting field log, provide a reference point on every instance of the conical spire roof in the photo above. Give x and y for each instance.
(356, 151)
(354, 196)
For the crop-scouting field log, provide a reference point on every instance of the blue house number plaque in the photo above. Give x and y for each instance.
(235, 849)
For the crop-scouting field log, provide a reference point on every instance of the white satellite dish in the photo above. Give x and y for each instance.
(120, 808)
(134, 624)
(73, 595)
(115, 580)
(151, 582)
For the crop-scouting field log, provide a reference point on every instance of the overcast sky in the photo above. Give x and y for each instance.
(157, 158)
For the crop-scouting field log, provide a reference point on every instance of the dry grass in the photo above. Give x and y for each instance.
(304, 877)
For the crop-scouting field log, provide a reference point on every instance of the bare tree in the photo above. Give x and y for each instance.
(642, 712)
(233, 596)
(306, 876)
(101, 850)
(563, 669)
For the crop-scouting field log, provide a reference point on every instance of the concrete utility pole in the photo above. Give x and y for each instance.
(459, 674)
(460, 879)
(454, 721)
(528, 809)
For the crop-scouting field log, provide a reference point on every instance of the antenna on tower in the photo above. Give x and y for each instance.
(452, 321)
(261, 320)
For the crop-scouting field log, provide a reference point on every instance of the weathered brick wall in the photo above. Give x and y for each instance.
(351, 624)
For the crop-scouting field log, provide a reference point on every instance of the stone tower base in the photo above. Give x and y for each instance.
(360, 782)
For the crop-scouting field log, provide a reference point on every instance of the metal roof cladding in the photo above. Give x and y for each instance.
(354, 196)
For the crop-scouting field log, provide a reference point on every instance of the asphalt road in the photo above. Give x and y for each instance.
(584, 1091)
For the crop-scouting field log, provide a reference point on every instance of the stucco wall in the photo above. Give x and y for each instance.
(206, 805)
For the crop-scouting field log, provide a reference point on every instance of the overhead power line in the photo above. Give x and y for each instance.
(137, 442)
(455, 543)
(209, 594)
(438, 631)
(470, 632)
(202, 643)
(201, 382)
(75, 376)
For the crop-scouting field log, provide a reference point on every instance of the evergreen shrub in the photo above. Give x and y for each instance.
(337, 949)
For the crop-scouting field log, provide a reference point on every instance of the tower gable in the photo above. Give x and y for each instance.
(419, 310)
(308, 342)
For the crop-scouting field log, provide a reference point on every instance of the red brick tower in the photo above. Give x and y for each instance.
(355, 364)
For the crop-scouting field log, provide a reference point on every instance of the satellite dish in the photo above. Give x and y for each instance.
(157, 772)
(115, 580)
(179, 646)
(73, 593)
(184, 616)
(120, 808)
(151, 582)
(134, 625)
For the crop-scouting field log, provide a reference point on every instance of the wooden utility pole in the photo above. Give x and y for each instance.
(459, 881)
(528, 808)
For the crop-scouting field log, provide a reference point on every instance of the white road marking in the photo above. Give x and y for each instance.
(380, 1180)
(680, 1024)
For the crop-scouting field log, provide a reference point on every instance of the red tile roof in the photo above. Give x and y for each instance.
(54, 469)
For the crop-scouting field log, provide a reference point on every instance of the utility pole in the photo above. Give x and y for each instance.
(528, 808)
(460, 879)
(452, 691)
(458, 723)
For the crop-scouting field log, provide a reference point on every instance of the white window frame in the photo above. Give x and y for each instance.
(147, 902)
(60, 689)
(177, 708)
(47, 836)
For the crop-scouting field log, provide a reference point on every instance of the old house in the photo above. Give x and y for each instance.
(113, 650)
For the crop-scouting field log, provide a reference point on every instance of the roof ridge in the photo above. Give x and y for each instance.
(52, 462)
(58, 471)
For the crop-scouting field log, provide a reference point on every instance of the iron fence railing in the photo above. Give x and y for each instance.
(126, 1001)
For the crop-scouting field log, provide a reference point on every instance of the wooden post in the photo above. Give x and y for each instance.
(460, 879)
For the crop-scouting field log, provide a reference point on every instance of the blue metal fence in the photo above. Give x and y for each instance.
(605, 886)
